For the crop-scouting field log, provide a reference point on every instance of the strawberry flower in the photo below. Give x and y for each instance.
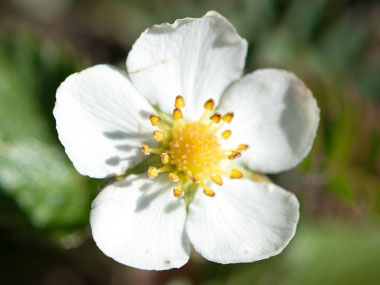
(183, 140)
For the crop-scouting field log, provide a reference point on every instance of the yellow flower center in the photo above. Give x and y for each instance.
(191, 152)
(195, 150)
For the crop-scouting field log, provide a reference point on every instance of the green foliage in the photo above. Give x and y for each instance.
(328, 48)
(331, 45)
(320, 253)
(34, 171)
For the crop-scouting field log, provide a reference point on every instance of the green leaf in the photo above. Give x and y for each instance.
(34, 171)
(44, 186)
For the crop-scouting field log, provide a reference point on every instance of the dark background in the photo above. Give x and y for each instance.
(334, 46)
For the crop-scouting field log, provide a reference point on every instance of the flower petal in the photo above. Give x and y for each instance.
(101, 121)
(246, 221)
(138, 222)
(195, 58)
(276, 115)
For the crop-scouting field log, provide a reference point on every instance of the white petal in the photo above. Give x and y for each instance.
(276, 115)
(138, 222)
(101, 121)
(196, 58)
(245, 221)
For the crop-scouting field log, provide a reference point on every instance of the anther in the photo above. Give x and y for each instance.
(217, 179)
(209, 192)
(152, 172)
(173, 177)
(209, 105)
(154, 119)
(164, 158)
(216, 118)
(178, 193)
(228, 117)
(179, 102)
(236, 174)
(158, 135)
(177, 114)
(145, 149)
(243, 147)
(194, 179)
(234, 154)
(226, 134)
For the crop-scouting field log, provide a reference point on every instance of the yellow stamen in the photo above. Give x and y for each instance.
(164, 158)
(206, 191)
(173, 177)
(209, 105)
(145, 149)
(179, 102)
(228, 117)
(216, 118)
(243, 147)
(234, 155)
(152, 172)
(226, 134)
(154, 119)
(156, 150)
(191, 151)
(194, 179)
(177, 114)
(178, 193)
(236, 174)
(217, 179)
(158, 135)
(209, 192)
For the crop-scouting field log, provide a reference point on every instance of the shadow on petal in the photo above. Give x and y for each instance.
(172, 206)
(120, 135)
(293, 120)
(145, 200)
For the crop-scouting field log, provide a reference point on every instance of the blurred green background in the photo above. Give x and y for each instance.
(334, 46)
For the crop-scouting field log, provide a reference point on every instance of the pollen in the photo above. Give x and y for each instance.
(234, 155)
(196, 150)
(209, 105)
(178, 193)
(216, 118)
(209, 192)
(226, 134)
(179, 102)
(236, 174)
(158, 135)
(228, 117)
(242, 147)
(177, 114)
(165, 158)
(155, 120)
(217, 179)
(191, 151)
(152, 172)
(145, 149)
(194, 179)
(173, 177)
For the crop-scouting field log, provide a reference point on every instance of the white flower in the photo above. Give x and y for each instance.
(104, 122)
